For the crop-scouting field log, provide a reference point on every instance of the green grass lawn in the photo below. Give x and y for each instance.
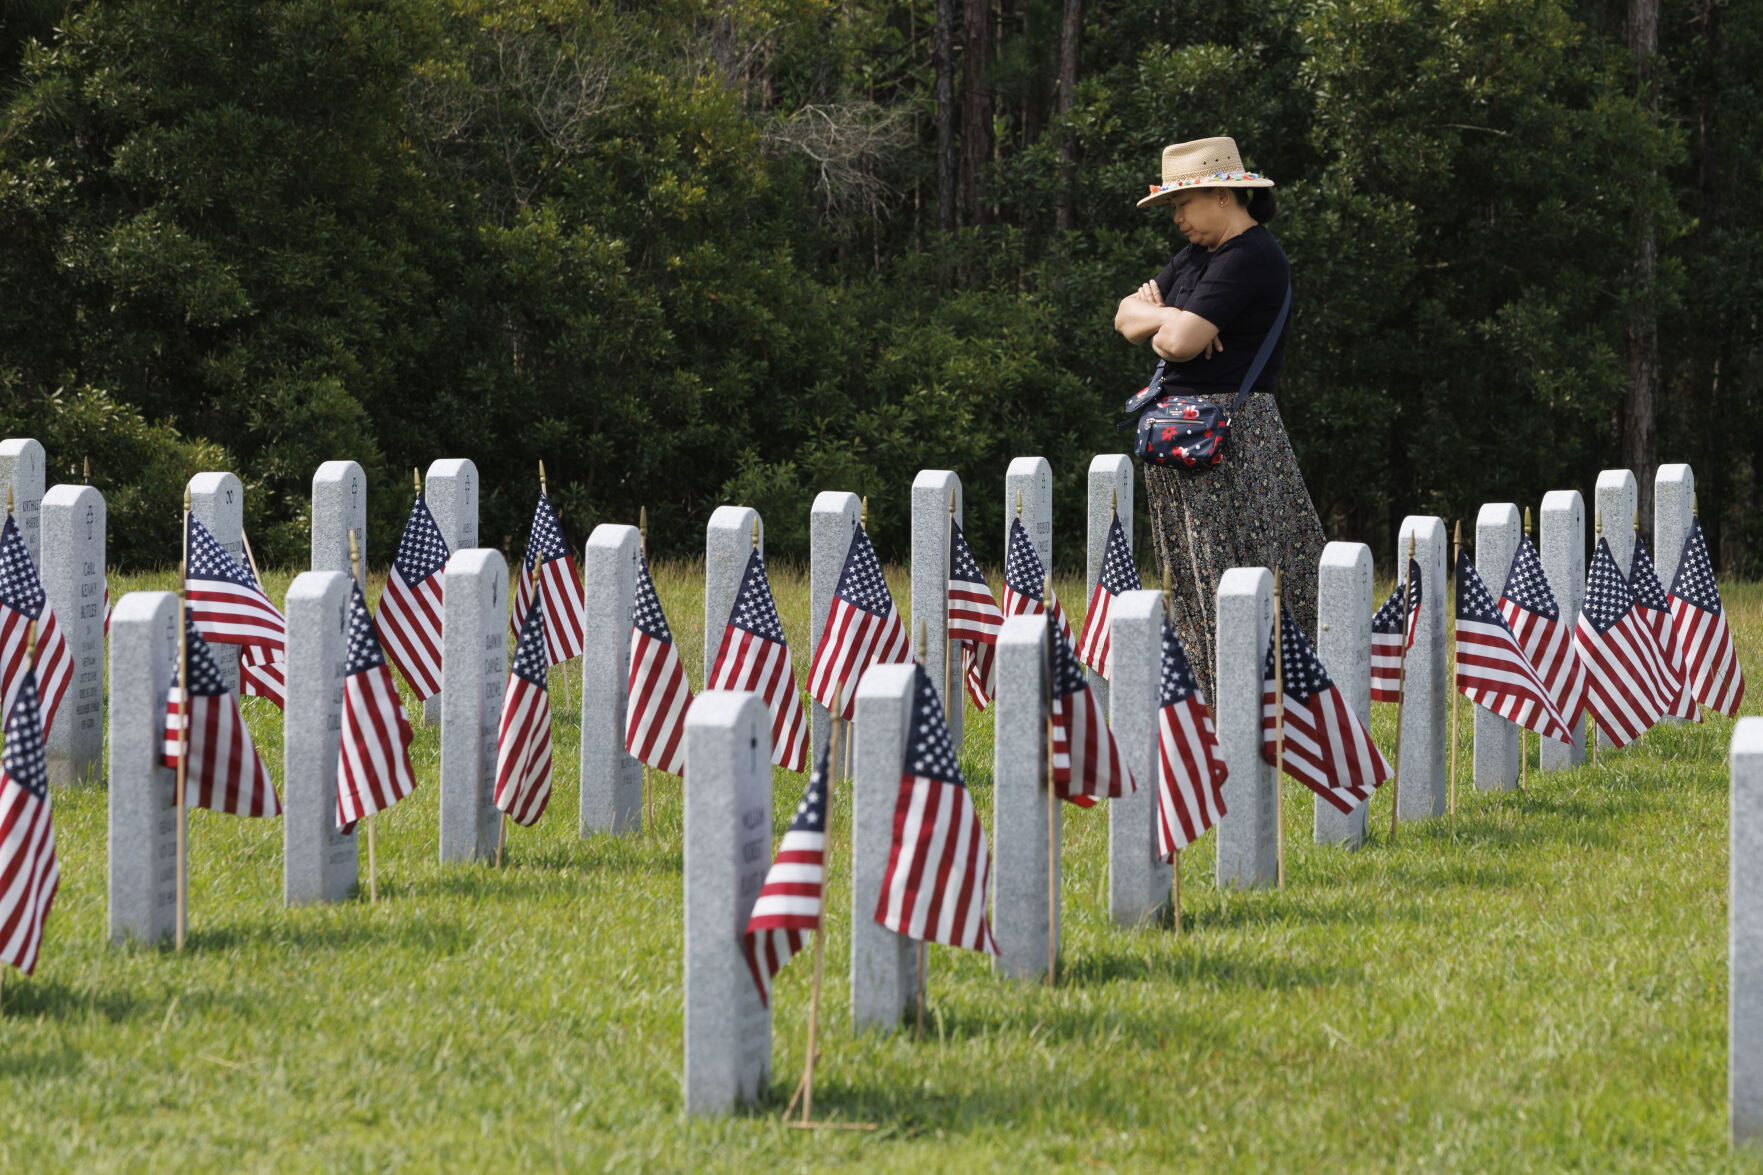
(1539, 984)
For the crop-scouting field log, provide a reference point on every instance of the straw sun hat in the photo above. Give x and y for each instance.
(1202, 163)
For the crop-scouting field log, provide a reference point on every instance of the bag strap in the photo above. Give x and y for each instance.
(1264, 354)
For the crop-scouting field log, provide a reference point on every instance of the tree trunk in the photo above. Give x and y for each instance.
(976, 105)
(943, 57)
(1071, 25)
(1638, 416)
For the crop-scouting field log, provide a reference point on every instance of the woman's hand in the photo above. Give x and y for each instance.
(1142, 313)
(1151, 292)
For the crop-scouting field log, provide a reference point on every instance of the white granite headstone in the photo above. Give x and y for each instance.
(1425, 784)
(144, 815)
(1498, 530)
(1344, 603)
(319, 863)
(1020, 804)
(217, 501)
(339, 505)
(23, 466)
(929, 604)
(1111, 481)
(1138, 882)
(884, 965)
(451, 490)
(727, 853)
(1562, 548)
(1247, 844)
(612, 781)
(474, 676)
(1031, 477)
(832, 520)
(1674, 503)
(1745, 934)
(728, 543)
(72, 568)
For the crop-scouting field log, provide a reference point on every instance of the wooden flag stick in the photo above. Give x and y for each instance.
(1279, 735)
(1457, 553)
(1175, 856)
(923, 955)
(183, 881)
(1401, 689)
(1052, 800)
(373, 859)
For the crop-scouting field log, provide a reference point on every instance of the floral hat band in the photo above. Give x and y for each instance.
(1202, 163)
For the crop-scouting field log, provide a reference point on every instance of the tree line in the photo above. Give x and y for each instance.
(699, 251)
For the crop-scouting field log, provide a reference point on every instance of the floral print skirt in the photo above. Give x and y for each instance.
(1251, 510)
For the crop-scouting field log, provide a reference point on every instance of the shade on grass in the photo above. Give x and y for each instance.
(1540, 984)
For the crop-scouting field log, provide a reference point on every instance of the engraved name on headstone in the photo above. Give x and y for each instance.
(23, 467)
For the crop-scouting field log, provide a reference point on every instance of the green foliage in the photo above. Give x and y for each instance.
(686, 253)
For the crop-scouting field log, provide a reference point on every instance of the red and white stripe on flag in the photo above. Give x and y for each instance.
(1492, 670)
(1087, 763)
(1327, 748)
(973, 616)
(939, 867)
(263, 674)
(223, 597)
(863, 628)
(1709, 657)
(791, 902)
(225, 773)
(659, 693)
(753, 658)
(1117, 575)
(53, 666)
(410, 629)
(30, 875)
(566, 609)
(1628, 688)
(1190, 766)
(1654, 610)
(373, 771)
(523, 741)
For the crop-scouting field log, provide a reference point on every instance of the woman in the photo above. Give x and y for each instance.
(1206, 315)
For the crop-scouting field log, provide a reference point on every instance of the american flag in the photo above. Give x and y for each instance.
(523, 742)
(754, 659)
(225, 601)
(550, 568)
(939, 868)
(374, 769)
(1492, 669)
(1190, 767)
(1534, 616)
(1708, 653)
(1327, 748)
(29, 874)
(225, 773)
(263, 671)
(1118, 575)
(793, 899)
(863, 628)
(1655, 610)
(659, 693)
(1025, 581)
(1628, 683)
(1087, 764)
(410, 607)
(974, 618)
(22, 602)
(1387, 629)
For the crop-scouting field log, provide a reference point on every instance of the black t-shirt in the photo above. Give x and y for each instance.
(1239, 288)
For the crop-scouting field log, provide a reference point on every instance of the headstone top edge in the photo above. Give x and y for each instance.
(1616, 479)
(936, 479)
(316, 585)
(1027, 466)
(450, 466)
(1563, 500)
(1110, 463)
(1497, 514)
(213, 481)
(1423, 526)
(835, 502)
(1024, 629)
(141, 605)
(334, 469)
(886, 681)
(1345, 554)
(1747, 736)
(719, 708)
(71, 492)
(12, 446)
(614, 534)
(474, 560)
(1677, 471)
(1245, 581)
(1138, 604)
(730, 517)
